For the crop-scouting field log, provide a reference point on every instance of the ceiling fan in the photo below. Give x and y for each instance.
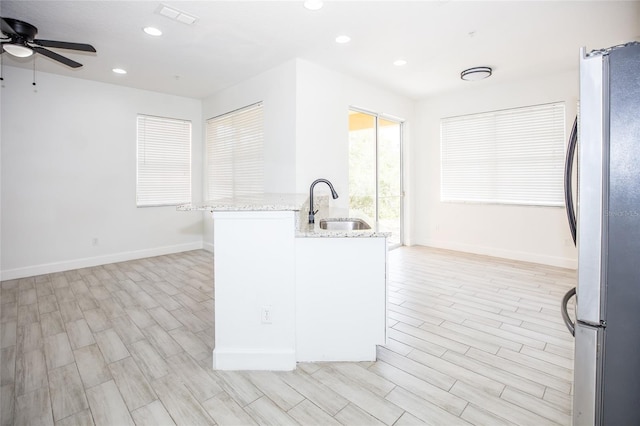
(18, 39)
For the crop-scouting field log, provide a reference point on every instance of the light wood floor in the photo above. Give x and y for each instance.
(473, 340)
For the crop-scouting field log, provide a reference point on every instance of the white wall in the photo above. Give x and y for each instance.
(68, 165)
(69, 175)
(536, 234)
(323, 99)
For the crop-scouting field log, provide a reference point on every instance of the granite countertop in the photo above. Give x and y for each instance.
(261, 202)
(283, 202)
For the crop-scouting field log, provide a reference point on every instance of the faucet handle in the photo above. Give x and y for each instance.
(311, 216)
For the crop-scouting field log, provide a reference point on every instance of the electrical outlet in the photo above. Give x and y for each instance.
(266, 315)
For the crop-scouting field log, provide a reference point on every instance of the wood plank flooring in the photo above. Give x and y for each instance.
(472, 340)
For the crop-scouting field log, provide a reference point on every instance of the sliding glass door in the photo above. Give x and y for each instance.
(375, 171)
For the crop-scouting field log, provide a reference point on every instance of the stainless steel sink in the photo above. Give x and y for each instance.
(343, 224)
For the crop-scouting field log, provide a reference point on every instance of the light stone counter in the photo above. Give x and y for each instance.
(284, 202)
(261, 202)
(309, 230)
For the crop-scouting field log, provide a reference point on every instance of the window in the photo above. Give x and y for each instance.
(164, 161)
(235, 153)
(513, 156)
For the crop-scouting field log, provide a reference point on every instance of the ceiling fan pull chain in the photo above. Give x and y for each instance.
(34, 72)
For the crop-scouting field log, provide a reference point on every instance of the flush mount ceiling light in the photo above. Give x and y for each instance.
(119, 71)
(476, 73)
(313, 4)
(17, 50)
(152, 31)
(400, 62)
(342, 39)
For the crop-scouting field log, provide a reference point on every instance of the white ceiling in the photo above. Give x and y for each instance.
(234, 40)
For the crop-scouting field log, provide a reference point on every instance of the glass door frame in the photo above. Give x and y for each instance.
(377, 116)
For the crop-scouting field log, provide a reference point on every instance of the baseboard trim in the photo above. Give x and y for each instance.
(561, 262)
(207, 246)
(242, 359)
(87, 262)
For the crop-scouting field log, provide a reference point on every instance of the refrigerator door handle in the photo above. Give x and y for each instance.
(565, 314)
(568, 177)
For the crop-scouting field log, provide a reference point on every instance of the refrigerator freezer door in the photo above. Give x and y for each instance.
(591, 172)
(587, 371)
(621, 380)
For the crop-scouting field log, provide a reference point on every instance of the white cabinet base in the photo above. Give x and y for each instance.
(325, 297)
(340, 298)
(254, 268)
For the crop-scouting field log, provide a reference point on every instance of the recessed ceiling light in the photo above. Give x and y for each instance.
(152, 31)
(476, 73)
(343, 39)
(119, 71)
(313, 4)
(400, 62)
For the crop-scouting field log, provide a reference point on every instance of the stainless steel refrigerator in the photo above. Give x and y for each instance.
(607, 327)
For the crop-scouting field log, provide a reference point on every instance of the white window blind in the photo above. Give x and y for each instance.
(513, 156)
(164, 161)
(235, 161)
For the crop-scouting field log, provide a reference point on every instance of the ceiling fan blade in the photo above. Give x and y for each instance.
(6, 27)
(56, 57)
(65, 45)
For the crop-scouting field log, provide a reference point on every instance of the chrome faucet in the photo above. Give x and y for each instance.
(334, 194)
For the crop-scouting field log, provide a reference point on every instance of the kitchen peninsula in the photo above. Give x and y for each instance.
(287, 291)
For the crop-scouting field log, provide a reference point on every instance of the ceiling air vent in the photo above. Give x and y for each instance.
(176, 15)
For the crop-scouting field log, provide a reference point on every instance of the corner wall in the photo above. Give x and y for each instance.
(533, 234)
(69, 175)
(306, 125)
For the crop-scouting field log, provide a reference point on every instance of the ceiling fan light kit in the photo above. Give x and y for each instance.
(19, 40)
(17, 50)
